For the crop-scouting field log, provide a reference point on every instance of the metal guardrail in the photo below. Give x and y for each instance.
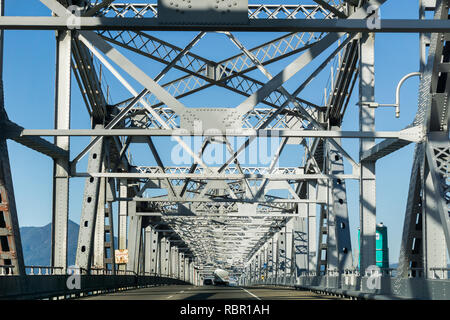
(8, 270)
(384, 284)
(57, 286)
(443, 274)
(46, 282)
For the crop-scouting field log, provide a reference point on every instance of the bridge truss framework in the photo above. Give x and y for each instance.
(228, 216)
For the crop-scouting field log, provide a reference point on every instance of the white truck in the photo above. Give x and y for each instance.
(221, 277)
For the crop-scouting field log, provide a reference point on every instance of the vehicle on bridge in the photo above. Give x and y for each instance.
(233, 282)
(221, 277)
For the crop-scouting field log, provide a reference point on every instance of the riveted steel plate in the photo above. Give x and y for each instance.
(201, 119)
(203, 11)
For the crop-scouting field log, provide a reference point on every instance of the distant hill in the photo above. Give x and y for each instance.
(36, 244)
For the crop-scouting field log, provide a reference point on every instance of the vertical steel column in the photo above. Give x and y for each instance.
(323, 235)
(151, 249)
(176, 265)
(367, 180)
(134, 239)
(339, 240)
(269, 272)
(252, 270)
(165, 244)
(250, 276)
(436, 217)
(170, 255)
(281, 254)
(264, 262)
(61, 170)
(167, 256)
(288, 248)
(434, 238)
(147, 249)
(162, 255)
(181, 262)
(189, 271)
(186, 269)
(158, 254)
(261, 263)
(141, 253)
(275, 257)
(123, 213)
(257, 267)
(89, 208)
(99, 233)
(312, 227)
(108, 226)
(196, 278)
(300, 244)
(412, 244)
(411, 250)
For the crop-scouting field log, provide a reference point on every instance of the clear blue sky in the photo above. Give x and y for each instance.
(29, 77)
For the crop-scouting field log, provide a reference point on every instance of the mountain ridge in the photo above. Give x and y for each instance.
(36, 244)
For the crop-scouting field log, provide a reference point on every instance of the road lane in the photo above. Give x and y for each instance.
(211, 293)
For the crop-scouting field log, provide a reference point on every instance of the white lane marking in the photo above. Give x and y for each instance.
(251, 294)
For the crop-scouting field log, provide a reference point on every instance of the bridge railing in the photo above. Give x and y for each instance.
(6, 270)
(385, 283)
(46, 282)
(43, 270)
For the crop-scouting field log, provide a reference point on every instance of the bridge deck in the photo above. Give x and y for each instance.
(188, 292)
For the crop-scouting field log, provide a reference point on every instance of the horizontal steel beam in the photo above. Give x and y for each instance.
(221, 215)
(213, 176)
(383, 149)
(411, 134)
(260, 25)
(220, 200)
(11, 130)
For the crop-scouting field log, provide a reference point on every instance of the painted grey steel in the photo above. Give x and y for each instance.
(204, 12)
(30, 287)
(425, 233)
(300, 245)
(165, 255)
(266, 25)
(12, 131)
(282, 258)
(438, 156)
(368, 180)
(99, 229)
(60, 214)
(410, 134)
(134, 237)
(339, 242)
(227, 216)
(123, 213)
(182, 266)
(89, 210)
(151, 250)
(312, 228)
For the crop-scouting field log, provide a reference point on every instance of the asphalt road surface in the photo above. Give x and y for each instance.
(189, 292)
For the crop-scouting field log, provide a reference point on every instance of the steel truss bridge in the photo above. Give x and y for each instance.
(177, 221)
